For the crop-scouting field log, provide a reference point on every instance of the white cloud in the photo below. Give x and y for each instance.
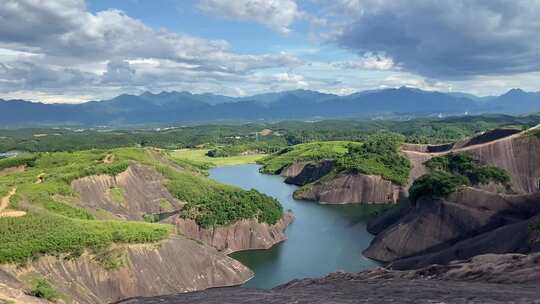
(368, 61)
(277, 15)
(58, 46)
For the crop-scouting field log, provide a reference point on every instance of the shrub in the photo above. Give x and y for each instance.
(43, 289)
(450, 171)
(22, 160)
(438, 184)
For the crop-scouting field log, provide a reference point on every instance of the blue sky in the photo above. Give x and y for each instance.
(77, 50)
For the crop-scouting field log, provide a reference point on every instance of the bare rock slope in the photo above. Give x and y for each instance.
(140, 191)
(470, 221)
(434, 223)
(351, 188)
(484, 279)
(242, 235)
(173, 266)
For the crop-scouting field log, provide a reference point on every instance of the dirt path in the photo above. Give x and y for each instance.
(108, 159)
(4, 203)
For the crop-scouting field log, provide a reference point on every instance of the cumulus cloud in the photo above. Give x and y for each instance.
(448, 39)
(277, 15)
(55, 44)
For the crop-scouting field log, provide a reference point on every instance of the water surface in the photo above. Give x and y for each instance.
(322, 239)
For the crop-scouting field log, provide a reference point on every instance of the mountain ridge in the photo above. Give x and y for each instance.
(186, 107)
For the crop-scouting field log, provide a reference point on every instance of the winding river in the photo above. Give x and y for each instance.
(322, 239)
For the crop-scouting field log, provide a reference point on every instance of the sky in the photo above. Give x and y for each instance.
(77, 50)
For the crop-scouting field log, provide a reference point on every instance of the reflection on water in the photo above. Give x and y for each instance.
(322, 239)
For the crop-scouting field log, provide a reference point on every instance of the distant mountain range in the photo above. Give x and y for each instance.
(184, 107)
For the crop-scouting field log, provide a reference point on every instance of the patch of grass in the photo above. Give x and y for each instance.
(200, 156)
(41, 288)
(35, 234)
(314, 151)
(165, 205)
(378, 155)
(151, 218)
(112, 259)
(117, 196)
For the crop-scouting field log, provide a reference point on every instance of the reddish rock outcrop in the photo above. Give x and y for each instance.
(242, 235)
(173, 266)
(302, 173)
(439, 222)
(517, 153)
(351, 188)
(485, 279)
(142, 187)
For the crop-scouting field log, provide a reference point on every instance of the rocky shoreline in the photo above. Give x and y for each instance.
(488, 279)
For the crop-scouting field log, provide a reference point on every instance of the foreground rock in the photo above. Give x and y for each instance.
(173, 266)
(484, 279)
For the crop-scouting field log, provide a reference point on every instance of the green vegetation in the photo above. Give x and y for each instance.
(464, 164)
(41, 288)
(199, 158)
(54, 225)
(437, 184)
(315, 151)
(451, 171)
(118, 196)
(243, 137)
(35, 234)
(111, 259)
(21, 160)
(259, 147)
(378, 155)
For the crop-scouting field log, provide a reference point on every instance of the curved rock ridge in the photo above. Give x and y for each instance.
(433, 224)
(173, 266)
(481, 138)
(485, 279)
(512, 238)
(517, 153)
(242, 235)
(141, 189)
(351, 188)
(302, 173)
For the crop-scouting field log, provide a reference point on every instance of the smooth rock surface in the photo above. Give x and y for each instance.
(485, 279)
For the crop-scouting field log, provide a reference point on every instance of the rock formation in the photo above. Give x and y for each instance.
(471, 221)
(432, 223)
(350, 188)
(242, 235)
(302, 173)
(485, 279)
(173, 266)
(141, 189)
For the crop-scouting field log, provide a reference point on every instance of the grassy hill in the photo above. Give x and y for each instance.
(54, 224)
(376, 155)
